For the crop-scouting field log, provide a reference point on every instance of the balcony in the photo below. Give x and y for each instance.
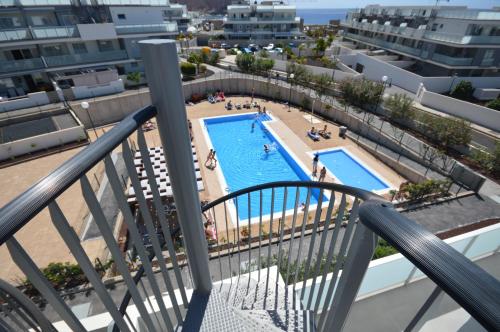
(133, 2)
(334, 238)
(44, 2)
(14, 35)
(75, 59)
(460, 39)
(451, 60)
(21, 65)
(54, 32)
(147, 28)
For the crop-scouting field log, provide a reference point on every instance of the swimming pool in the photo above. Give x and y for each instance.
(350, 171)
(239, 144)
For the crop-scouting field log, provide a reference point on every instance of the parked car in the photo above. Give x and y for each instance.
(253, 47)
(225, 46)
(269, 47)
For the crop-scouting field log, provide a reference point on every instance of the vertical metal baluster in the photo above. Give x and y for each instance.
(260, 234)
(331, 249)
(135, 237)
(341, 258)
(6, 298)
(217, 242)
(160, 211)
(282, 230)
(130, 321)
(317, 217)
(29, 268)
(304, 222)
(321, 248)
(73, 242)
(292, 232)
(4, 326)
(107, 234)
(249, 241)
(14, 319)
(227, 241)
(269, 246)
(358, 258)
(148, 221)
(238, 237)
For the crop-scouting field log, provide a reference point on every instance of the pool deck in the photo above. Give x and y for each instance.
(291, 128)
(40, 232)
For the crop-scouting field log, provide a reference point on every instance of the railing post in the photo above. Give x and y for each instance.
(359, 256)
(162, 71)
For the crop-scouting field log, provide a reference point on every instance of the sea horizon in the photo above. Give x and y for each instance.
(321, 15)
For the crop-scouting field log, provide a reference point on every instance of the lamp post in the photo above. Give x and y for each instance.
(455, 75)
(312, 110)
(384, 82)
(290, 91)
(85, 105)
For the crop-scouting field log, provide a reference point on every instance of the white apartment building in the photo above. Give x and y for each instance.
(41, 40)
(264, 21)
(443, 40)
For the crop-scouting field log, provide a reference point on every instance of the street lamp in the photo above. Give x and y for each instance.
(290, 91)
(85, 105)
(455, 75)
(312, 110)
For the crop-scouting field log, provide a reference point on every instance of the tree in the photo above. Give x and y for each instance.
(320, 47)
(245, 62)
(302, 47)
(327, 62)
(196, 59)
(300, 73)
(463, 91)
(400, 107)
(322, 83)
(494, 104)
(262, 66)
(361, 93)
(446, 132)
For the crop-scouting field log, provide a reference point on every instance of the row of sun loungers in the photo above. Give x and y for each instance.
(162, 179)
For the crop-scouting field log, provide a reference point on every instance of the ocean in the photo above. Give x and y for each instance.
(321, 15)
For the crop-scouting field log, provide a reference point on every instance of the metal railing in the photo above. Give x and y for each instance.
(297, 216)
(73, 59)
(146, 28)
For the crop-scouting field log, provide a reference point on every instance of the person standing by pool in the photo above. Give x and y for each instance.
(315, 164)
(213, 164)
(322, 174)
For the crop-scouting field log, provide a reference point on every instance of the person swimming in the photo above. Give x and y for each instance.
(266, 148)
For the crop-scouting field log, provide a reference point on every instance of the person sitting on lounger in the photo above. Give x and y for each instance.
(314, 131)
(325, 133)
(313, 134)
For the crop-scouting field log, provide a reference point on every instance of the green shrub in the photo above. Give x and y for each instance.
(446, 132)
(232, 52)
(134, 77)
(361, 93)
(463, 91)
(400, 107)
(188, 69)
(484, 159)
(262, 65)
(418, 191)
(383, 249)
(245, 62)
(494, 104)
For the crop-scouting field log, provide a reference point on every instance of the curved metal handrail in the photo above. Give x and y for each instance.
(353, 191)
(469, 285)
(29, 307)
(21, 209)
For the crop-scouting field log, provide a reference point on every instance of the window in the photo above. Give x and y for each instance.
(79, 48)
(122, 17)
(105, 45)
(434, 27)
(440, 26)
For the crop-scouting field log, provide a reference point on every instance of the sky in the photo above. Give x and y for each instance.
(362, 3)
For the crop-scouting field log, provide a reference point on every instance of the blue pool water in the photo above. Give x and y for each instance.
(349, 171)
(240, 152)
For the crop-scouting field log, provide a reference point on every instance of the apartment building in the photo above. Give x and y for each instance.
(264, 21)
(41, 40)
(443, 40)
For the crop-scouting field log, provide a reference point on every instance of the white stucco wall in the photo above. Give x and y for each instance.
(137, 15)
(41, 142)
(81, 92)
(480, 115)
(30, 100)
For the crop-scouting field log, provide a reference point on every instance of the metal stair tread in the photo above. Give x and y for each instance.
(278, 320)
